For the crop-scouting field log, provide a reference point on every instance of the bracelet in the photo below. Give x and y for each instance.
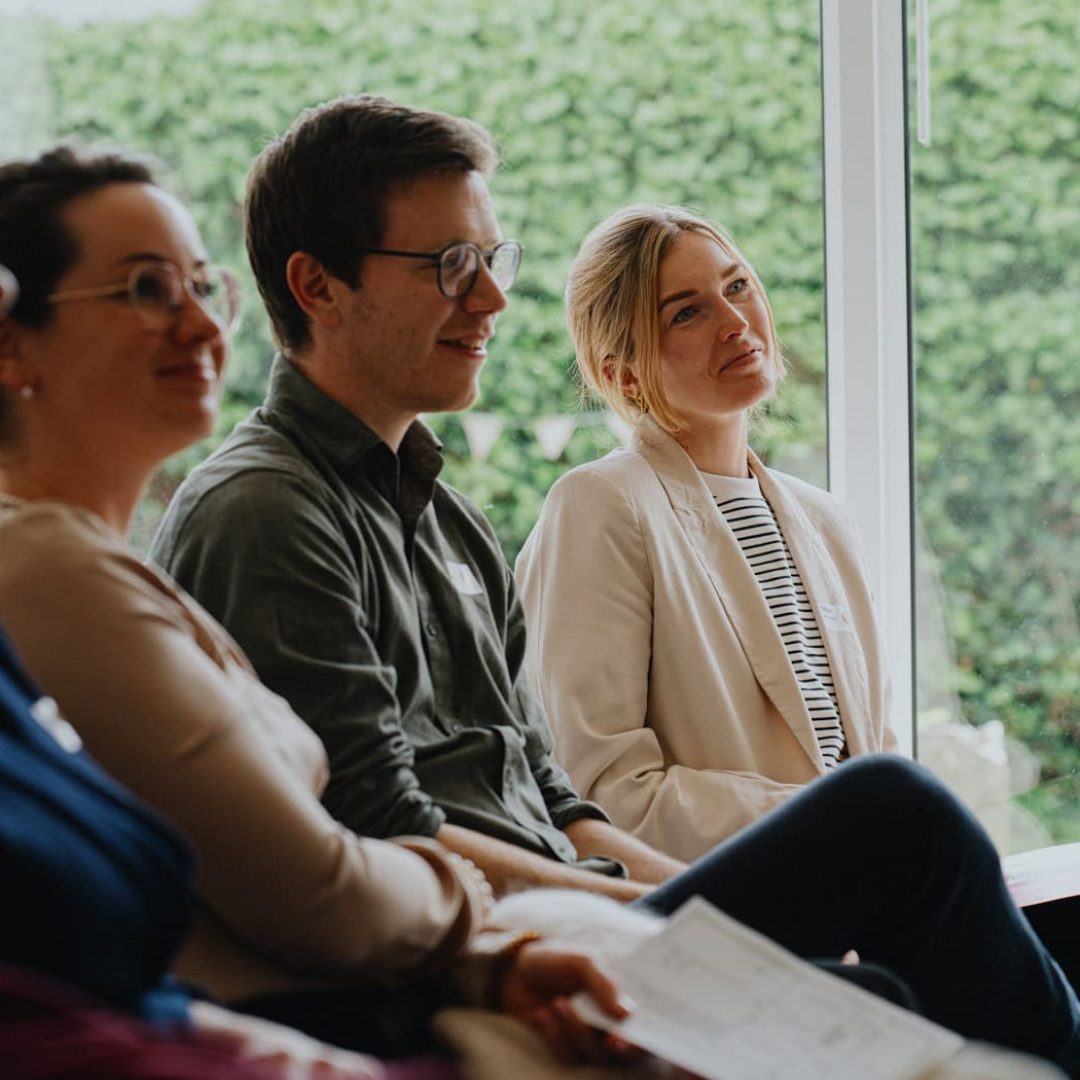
(503, 960)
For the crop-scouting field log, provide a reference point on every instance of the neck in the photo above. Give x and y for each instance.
(391, 429)
(111, 497)
(388, 421)
(719, 447)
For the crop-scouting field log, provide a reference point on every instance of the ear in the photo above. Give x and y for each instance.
(313, 288)
(17, 367)
(623, 376)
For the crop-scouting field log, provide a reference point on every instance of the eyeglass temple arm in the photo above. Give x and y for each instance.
(87, 294)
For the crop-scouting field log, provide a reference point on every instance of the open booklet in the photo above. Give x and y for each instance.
(726, 1003)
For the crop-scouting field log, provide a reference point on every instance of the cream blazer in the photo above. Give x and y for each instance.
(163, 698)
(672, 699)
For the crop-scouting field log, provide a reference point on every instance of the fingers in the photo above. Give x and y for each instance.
(569, 1037)
(549, 970)
(603, 990)
(550, 973)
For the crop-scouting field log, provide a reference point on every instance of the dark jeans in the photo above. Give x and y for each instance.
(881, 858)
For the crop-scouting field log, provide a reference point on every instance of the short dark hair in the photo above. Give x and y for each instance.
(34, 242)
(322, 188)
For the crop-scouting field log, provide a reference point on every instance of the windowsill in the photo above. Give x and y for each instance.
(1043, 875)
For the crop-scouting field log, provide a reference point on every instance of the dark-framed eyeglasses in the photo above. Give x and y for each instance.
(459, 264)
(156, 291)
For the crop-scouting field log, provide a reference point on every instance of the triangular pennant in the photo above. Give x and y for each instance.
(481, 432)
(553, 433)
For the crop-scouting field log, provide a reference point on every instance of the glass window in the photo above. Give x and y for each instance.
(996, 285)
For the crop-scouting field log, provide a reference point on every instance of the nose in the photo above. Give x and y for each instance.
(733, 324)
(485, 295)
(195, 322)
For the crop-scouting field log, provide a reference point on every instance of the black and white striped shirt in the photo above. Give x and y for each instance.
(754, 524)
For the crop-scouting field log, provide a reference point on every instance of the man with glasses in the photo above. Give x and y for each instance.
(370, 595)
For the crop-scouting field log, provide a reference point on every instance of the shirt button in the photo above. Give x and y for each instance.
(432, 629)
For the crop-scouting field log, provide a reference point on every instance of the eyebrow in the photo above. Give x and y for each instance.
(153, 256)
(462, 240)
(684, 295)
(734, 268)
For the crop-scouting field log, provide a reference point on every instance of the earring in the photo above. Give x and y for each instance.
(27, 392)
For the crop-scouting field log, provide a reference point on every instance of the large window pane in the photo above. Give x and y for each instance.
(996, 231)
(595, 105)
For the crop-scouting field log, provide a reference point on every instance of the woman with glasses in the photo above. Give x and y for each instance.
(701, 629)
(111, 360)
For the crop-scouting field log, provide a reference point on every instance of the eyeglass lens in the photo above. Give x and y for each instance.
(460, 265)
(158, 293)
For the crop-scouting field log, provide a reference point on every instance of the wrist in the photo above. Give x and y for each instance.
(503, 963)
(491, 955)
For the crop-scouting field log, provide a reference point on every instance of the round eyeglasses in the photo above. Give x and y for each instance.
(459, 264)
(156, 291)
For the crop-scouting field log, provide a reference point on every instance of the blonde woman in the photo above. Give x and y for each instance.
(701, 629)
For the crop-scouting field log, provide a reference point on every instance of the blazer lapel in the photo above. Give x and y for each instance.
(828, 598)
(727, 572)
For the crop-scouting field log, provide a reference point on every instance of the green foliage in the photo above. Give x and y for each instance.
(594, 106)
(718, 106)
(996, 228)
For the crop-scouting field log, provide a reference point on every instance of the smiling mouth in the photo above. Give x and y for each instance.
(471, 344)
(205, 372)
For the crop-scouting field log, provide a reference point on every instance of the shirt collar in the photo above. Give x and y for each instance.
(341, 436)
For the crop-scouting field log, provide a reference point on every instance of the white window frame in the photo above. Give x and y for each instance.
(867, 309)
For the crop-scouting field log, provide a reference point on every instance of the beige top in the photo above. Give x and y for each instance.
(665, 679)
(166, 702)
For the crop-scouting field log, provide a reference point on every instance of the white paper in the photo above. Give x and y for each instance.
(722, 1001)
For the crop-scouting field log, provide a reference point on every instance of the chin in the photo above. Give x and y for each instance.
(182, 431)
(760, 390)
(459, 401)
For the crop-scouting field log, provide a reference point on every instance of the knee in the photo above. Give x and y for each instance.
(907, 800)
(876, 778)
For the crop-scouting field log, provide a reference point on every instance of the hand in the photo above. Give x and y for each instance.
(536, 985)
(293, 1055)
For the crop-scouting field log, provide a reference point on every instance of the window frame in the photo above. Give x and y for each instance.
(867, 310)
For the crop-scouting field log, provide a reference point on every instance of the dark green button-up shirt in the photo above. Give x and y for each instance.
(377, 601)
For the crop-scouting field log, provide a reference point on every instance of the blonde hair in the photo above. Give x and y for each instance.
(612, 301)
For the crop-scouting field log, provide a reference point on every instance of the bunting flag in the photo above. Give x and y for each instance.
(553, 433)
(482, 430)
